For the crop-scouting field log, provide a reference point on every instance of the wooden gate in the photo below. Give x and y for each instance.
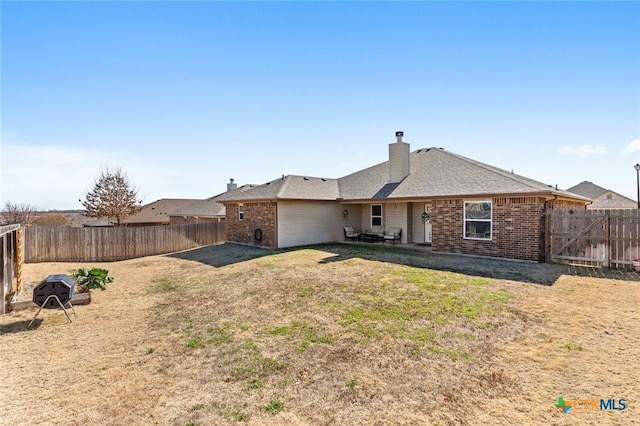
(607, 238)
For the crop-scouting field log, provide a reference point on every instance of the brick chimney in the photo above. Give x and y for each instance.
(231, 185)
(398, 159)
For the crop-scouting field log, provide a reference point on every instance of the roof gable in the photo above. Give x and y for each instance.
(587, 189)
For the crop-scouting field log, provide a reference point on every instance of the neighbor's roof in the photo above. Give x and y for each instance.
(157, 212)
(434, 172)
(588, 189)
(209, 207)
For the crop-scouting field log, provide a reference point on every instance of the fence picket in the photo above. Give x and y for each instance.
(71, 244)
(609, 238)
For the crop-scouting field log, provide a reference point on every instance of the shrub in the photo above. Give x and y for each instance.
(92, 278)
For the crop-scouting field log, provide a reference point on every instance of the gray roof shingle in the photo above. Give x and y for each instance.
(434, 172)
(587, 189)
(289, 188)
(156, 212)
(209, 207)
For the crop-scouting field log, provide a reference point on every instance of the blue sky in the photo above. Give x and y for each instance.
(184, 96)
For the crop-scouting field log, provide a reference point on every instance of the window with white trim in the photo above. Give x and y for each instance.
(240, 212)
(477, 220)
(376, 215)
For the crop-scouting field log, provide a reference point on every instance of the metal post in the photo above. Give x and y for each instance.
(637, 167)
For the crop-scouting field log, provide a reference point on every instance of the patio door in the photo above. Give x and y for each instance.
(427, 223)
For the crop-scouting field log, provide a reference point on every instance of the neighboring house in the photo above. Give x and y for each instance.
(156, 213)
(202, 211)
(208, 210)
(603, 198)
(456, 204)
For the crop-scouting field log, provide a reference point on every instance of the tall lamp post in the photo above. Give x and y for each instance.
(637, 167)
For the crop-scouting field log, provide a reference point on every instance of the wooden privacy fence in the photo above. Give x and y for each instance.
(11, 257)
(71, 244)
(608, 238)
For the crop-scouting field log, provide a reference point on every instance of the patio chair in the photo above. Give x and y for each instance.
(350, 233)
(393, 234)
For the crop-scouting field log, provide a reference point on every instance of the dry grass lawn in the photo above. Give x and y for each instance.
(334, 334)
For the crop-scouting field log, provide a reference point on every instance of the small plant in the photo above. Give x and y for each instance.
(91, 278)
(571, 346)
(274, 406)
(195, 342)
(255, 384)
(150, 351)
(351, 383)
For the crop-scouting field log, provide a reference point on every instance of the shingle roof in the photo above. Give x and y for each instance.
(209, 207)
(288, 188)
(156, 212)
(434, 172)
(587, 189)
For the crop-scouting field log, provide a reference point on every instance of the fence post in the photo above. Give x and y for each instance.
(607, 239)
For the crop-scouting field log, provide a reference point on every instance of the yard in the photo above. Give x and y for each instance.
(332, 334)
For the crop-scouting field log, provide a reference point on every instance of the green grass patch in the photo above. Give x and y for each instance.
(398, 301)
(245, 361)
(351, 383)
(219, 335)
(274, 406)
(304, 334)
(236, 412)
(255, 384)
(572, 346)
(195, 342)
(166, 285)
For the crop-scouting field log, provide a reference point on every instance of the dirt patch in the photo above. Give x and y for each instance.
(230, 334)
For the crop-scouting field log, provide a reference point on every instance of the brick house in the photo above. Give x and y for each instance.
(208, 210)
(603, 198)
(453, 203)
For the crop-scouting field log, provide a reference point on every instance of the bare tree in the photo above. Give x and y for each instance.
(23, 213)
(52, 219)
(112, 196)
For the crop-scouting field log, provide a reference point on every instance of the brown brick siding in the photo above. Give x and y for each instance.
(261, 215)
(517, 229)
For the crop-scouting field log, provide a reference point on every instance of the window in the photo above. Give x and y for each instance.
(240, 212)
(376, 215)
(477, 220)
(609, 196)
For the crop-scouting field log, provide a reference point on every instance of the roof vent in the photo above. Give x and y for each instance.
(305, 178)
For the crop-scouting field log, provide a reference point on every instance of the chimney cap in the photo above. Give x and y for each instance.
(399, 134)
